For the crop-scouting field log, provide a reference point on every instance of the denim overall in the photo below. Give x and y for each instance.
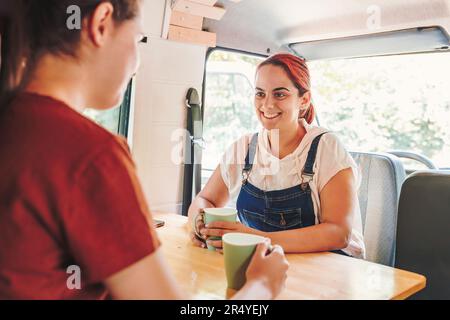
(278, 210)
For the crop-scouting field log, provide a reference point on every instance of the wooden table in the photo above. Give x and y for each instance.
(311, 276)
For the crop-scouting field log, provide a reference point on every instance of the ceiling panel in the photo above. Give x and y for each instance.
(258, 25)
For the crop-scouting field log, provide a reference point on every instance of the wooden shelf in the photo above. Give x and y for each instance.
(186, 20)
(198, 9)
(177, 33)
(206, 2)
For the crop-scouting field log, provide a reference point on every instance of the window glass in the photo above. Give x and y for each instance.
(229, 111)
(108, 119)
(387, 103)
(116, 119)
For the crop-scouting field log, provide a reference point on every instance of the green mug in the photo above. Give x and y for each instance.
(215, 214)
(238, 250)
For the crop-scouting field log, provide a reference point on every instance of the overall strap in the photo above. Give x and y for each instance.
(250, 158)
(309, 164)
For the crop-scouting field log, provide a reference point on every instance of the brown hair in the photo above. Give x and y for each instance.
(39, 27)
(298, 72)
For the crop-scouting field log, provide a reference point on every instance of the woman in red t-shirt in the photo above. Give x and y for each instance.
(69, 194)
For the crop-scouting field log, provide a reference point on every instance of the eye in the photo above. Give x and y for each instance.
(260, 94)
(279, 94)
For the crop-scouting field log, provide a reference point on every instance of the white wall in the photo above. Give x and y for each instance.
(168, 70)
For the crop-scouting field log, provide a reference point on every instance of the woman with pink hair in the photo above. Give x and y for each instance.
(296, 183)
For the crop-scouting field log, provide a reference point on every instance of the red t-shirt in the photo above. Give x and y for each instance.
(69, 195)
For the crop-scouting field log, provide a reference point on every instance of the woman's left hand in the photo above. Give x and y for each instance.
(219, 228)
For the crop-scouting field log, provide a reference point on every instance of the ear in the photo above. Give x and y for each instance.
(100, 23)
(305, 101)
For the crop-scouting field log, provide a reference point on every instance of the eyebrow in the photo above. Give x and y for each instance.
(281, 88)
(276, 89)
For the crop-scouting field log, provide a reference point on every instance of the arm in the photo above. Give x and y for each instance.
(148, 279)
(337, 200)
(214, 194)
(151, 279)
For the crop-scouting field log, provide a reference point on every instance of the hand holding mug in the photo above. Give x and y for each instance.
(269, 265)
(197, 226)
(210, 216)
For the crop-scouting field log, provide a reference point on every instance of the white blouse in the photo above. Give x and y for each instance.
(269, 173)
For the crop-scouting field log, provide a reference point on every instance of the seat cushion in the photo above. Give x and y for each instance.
(423, 236)
(382, 176)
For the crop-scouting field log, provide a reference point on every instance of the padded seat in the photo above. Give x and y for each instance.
(423, 235)
(382, 177)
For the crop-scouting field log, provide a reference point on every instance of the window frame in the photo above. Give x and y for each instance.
(209, 52)
(125, 111)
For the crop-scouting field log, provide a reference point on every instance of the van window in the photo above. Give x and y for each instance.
(116, 119)
(387, 103)
(228, 105)
(109, 119)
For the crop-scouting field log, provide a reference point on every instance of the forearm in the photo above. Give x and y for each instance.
(150, 278)
(318, 238)
(253, 290)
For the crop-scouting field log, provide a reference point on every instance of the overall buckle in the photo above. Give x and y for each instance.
(306, 179)
(245, 175)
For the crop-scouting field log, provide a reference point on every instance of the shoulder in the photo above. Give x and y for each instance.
(324, 140)
(93, 145)
(328, 139)
(60, 132)
(333, 157)
(331, 150)
(109, 155)
(331, 141)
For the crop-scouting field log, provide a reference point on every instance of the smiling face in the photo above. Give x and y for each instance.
(277, 100)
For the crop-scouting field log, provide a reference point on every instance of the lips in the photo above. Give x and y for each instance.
(270, 116)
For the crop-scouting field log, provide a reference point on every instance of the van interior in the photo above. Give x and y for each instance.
(380, 72)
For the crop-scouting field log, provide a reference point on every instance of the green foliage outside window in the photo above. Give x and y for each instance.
(373, 104)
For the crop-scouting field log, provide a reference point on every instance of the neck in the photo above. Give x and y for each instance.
(284, 142)
(60, 78)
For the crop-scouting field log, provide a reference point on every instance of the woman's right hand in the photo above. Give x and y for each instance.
(199, 225)
(269, 269)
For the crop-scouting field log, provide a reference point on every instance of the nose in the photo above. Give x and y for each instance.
(267, 104)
